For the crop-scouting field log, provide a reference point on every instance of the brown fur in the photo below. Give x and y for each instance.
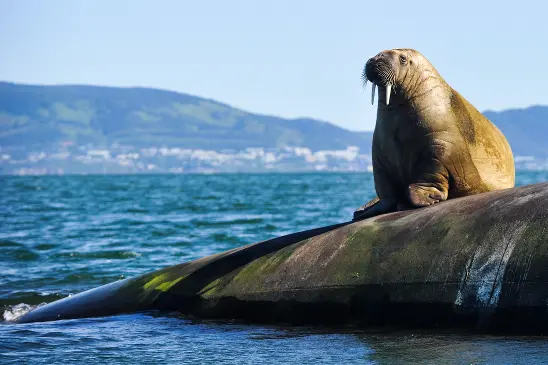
(430, 144)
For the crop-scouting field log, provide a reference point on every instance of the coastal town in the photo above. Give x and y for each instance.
(69, 158)
(88, 159)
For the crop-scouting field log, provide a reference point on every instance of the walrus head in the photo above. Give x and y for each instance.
(397, 71)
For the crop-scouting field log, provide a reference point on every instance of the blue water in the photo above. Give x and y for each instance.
(62, 235)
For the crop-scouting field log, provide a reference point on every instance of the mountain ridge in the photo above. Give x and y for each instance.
(143, 116)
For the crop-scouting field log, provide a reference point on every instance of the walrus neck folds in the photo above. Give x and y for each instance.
(411, 93)
(420, 85)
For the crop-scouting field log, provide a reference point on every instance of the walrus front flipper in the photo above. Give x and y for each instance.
(422, 196)
(373, 201)
(376, 208)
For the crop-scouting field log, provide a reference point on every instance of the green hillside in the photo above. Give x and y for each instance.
(45, 115)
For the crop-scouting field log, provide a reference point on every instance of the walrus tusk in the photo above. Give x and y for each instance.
(388, 91)
(373, 93)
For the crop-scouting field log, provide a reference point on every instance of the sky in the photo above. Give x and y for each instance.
(296, 58)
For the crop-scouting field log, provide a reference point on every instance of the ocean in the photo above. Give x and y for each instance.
(60, 235)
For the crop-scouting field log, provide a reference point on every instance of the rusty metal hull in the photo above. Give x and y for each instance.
(478, 262)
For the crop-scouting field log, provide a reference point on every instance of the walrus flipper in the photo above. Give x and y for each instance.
(373, 201)
(373, 209)
(422, 196)
(360, 210)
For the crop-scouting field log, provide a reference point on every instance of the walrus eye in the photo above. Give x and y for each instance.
(403, 59)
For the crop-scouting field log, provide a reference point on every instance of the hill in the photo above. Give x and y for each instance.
(45, 115)
(526, 129)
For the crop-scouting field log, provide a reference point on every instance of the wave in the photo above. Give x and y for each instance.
(17, 252)
(115, 254)
(13, 312)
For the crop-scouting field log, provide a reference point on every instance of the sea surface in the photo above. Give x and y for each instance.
(60, 235)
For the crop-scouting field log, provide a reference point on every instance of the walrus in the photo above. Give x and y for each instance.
(429, 144)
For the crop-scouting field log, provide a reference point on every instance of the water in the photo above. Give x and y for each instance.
(62, 235)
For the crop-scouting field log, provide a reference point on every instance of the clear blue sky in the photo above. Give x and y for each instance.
(289, 58)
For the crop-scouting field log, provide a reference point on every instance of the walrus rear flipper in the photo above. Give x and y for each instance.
(375, 207)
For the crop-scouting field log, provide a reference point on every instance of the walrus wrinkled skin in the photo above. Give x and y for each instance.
(430, 144)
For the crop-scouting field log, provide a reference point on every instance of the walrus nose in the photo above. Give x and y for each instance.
(379, 55)
(374, 65)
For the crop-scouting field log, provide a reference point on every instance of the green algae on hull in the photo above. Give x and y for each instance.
(155, 281)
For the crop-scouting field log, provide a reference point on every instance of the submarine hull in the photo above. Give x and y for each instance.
(478, 262)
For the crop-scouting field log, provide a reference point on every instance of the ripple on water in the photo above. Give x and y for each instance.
(45, 246)
(29, 297)
(6, 243)
(17, 252)
(137, 210)
(226, 238)
(113, 254)
(231, 220)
